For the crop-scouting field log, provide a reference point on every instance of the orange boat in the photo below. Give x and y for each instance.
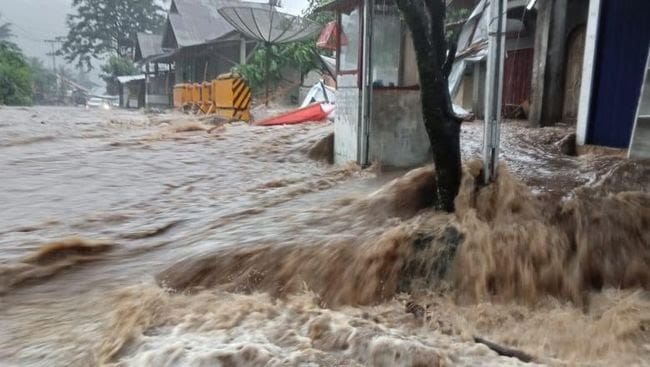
(318, 111)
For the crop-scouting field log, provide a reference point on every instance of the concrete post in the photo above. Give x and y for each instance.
(494, 88)
(549, 63)
(539, 60)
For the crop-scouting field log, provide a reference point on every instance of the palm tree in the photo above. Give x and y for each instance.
(5, 31)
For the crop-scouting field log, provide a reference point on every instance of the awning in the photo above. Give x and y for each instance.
(129, 78)
(163, 57)
(329, 37)
(340, 5)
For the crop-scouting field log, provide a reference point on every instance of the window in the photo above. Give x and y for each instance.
(349, 55)
(386, 46)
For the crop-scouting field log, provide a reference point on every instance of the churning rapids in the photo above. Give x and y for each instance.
(135, 240)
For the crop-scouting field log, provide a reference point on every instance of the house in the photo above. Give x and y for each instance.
(378, 116)
(158, 70)
(581, 62)
(196, 44)
(378, 106)
(578, 61)
(132, 91)
(151, 88)
(204, 44)
(467, 79)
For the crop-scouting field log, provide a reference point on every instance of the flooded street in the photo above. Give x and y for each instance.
(161, 240)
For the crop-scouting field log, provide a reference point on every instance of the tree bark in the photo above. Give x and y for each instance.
(425, 18)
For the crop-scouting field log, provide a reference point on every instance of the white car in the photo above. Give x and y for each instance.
(96, 102)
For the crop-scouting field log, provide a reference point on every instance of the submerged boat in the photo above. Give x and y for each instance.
(314, 112)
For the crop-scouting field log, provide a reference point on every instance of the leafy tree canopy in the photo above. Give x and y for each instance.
(293, 56)
(15, 76)
(101, 27)
(44, 82)
(5, 30)
(114, 67)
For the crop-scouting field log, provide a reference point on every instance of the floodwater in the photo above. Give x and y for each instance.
(161, 240)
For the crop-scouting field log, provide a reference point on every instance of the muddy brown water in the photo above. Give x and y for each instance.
(136, 240)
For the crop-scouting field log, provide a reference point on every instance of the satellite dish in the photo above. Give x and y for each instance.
(270, 26)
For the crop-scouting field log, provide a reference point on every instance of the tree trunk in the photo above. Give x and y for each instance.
(425, 19)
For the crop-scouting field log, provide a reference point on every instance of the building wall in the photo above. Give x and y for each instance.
(556, 21)
(622, 48)
(518, 70)
(465, 95)
(397, 136)
(206, 62)
(640, 146)
(346, 123)
(573, 73)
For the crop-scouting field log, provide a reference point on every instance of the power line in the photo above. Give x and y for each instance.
(53, 52)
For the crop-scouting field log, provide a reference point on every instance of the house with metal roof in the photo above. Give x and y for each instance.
(196, 44)
(151, 88)
(204, 44)
(582, 62)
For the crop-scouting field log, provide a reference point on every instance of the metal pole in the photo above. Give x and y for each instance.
(266, 72)
(366, 86)
(494, 87)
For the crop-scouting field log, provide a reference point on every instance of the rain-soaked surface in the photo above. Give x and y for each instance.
(151, 240)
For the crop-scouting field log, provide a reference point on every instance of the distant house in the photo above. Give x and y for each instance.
(151, 88)
(158, 69)
(196, 45)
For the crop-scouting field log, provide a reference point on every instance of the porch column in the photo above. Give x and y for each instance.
(587, 71)
(146, 87)
(242, 50)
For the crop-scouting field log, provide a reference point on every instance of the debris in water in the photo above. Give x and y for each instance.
(505, 351)
(49, 260)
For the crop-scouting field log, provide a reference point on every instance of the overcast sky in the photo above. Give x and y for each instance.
(34, 21)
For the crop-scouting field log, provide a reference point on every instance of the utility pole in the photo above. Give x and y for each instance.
(53, 52)
(494, 87)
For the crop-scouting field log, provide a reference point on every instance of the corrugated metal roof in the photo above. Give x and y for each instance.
(198, 21)
(148, 45)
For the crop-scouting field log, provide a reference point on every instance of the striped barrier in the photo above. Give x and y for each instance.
(228, 96)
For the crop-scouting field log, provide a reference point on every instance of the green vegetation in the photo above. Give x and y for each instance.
(15, 76)
(320, 17)
(455, 16)
(114, 67)
(108, 27)
(44, 82)
(300, 56)
(5, 31)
